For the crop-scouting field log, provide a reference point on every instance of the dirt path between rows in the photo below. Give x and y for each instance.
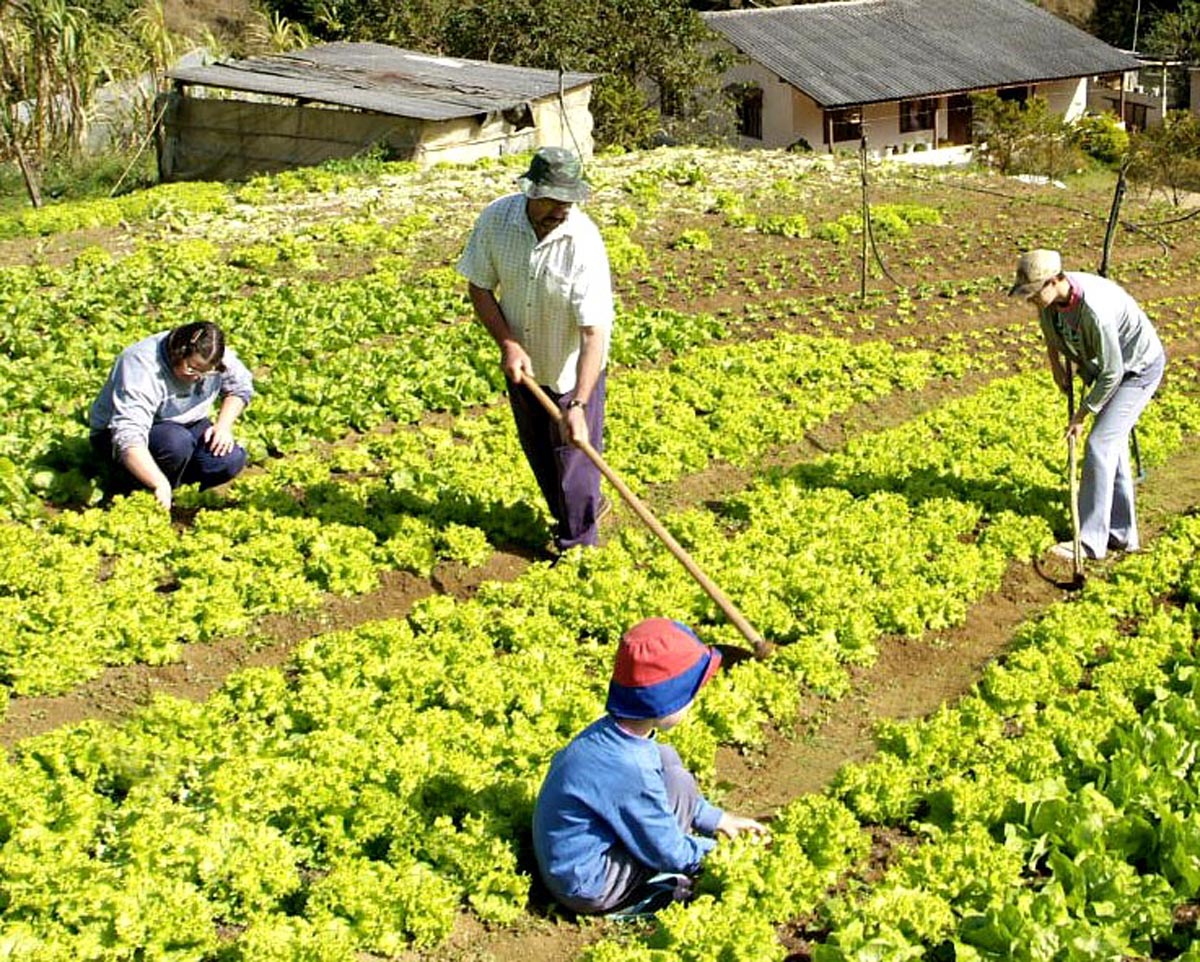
(120, 691)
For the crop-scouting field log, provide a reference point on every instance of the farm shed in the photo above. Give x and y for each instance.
(900, 71)
(234, 118)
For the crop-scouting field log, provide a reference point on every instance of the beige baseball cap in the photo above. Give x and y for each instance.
(1034, 268)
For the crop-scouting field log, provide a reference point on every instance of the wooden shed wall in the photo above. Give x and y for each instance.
(203, 138)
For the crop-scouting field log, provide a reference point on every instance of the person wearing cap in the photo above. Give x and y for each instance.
(538, 278)
(1096, 325)
(620, 825)
(150, 421)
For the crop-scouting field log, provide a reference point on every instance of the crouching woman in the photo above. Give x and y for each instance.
(151, 418)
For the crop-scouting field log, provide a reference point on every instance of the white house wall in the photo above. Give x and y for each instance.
(777, 119)
(808, 120)
(1067, 98)
(466, 140)
(789, 115)
(570, 129)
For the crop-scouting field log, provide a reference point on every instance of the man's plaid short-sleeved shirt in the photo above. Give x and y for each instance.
(547, 289)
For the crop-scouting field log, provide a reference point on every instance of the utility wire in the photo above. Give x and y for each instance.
(1136, 228)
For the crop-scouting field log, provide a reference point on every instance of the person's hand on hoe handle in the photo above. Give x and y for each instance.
(515, 361)
(1075, 426)
(731, 826)
(575, 424)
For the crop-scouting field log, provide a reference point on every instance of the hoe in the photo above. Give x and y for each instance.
(761, 647)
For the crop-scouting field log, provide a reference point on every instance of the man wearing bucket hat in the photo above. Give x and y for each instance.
(1097, 326)
(614, 821)
(538, 278)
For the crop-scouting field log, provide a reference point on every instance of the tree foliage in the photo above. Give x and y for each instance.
(55, 55)
(639, 47)
(1116, 21)
(1023, 138)
(1176, 34)
(1101, 137)
(1166, 157)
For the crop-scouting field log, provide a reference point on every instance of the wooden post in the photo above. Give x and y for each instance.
(866, 214)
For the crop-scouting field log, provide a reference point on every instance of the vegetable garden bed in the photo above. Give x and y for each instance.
(864, 476)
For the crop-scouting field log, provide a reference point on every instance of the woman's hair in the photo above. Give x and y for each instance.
(200, 339)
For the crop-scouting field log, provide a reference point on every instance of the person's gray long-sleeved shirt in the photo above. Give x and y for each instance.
(1105, 332)
(142, 390)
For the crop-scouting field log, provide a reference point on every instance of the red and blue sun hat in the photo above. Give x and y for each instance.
(660, 667)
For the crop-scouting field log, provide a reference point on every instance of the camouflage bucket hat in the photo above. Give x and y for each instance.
(554, 172)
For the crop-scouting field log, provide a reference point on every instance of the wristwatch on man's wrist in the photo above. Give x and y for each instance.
(576, 403)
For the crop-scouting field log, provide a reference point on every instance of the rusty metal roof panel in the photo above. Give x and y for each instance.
(857, 52)
(385, 79)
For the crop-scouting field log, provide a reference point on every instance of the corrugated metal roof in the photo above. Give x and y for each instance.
(869, 51)
(386, 80)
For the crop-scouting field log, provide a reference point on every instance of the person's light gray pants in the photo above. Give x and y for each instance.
(1106, 512)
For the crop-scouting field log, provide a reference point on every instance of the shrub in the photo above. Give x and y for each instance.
(1024, 138)
(1167, 156)
(1101, 137)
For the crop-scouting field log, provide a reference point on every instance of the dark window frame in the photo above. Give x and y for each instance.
(748, 99)
(842, 125)
(918, 114)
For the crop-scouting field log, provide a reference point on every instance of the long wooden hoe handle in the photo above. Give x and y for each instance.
(761, 647)
(1073, 472)
(1076, 544)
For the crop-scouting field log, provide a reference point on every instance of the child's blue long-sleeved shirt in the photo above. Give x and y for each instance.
(603, 789)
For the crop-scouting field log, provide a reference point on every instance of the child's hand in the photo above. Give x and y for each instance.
(732, 826)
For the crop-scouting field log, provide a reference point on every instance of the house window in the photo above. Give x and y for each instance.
(1016, 94)
(1135, 117)
(843, 125)
(917, 115)
(749, 102)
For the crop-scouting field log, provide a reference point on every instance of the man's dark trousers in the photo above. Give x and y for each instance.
(570, 482)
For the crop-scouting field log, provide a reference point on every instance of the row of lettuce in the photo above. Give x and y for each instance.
(354, 800)
(126, 585)
(1052, 814)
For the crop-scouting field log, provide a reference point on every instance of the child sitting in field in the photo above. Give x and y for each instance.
(612, 828)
